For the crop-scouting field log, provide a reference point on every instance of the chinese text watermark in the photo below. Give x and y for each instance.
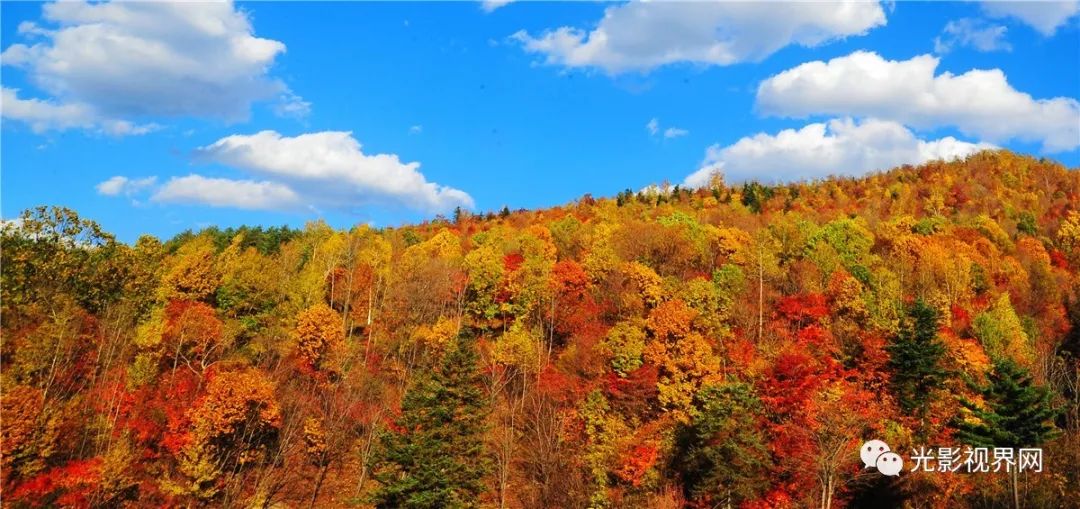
(967, 459)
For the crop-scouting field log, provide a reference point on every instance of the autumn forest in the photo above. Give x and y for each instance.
(728, 346)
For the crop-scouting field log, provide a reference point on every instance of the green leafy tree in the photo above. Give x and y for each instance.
(1027, 223)
(915, 357)
(434, 456)
(50, 252)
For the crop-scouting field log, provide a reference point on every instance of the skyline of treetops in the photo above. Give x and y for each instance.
(727, 345)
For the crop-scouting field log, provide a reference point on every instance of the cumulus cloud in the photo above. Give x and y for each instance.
(837, 147)
(1045, 17)
(972, 33)
(43, 115)
(979, 103)
(640, 36)
(119, 61)
(220, 192)
(118, 185)
(329, 169)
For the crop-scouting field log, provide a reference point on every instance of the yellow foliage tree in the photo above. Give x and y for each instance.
(193, 274)
(318, 332)
(437, 335)
(484, 267)
(1002, 335)
(685, 357)
(1068, 236)
(519, 346)
(649, 284)
(232, 426)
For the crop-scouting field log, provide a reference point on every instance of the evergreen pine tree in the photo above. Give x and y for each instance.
(435, 454)
(722, 457)
(915, 359)
(1017, 413)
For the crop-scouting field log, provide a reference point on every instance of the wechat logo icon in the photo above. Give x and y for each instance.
(877, 454)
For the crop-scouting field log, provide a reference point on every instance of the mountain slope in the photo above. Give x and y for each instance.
(668, 348)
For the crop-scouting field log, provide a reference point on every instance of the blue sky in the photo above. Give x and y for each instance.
(242, 117)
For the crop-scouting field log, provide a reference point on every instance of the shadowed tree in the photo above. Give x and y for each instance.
(915, 359)
(1016, 413)
(722, 456)
(433, 455)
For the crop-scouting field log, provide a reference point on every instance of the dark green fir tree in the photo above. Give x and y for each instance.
(433, 458)
(1016, 413)
(915, 360)
(722, 455)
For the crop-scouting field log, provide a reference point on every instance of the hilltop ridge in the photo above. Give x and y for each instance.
(667, 348)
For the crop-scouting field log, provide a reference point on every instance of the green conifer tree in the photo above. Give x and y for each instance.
(434, 457)
(915, 360)
(721, 456)
(1016, 413)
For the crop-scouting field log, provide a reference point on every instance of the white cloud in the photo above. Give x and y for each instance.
(980, 103)
(491, 5)
(653, 126)
(1046, 17)
(973, 33)
(118, 185)
(645, 35)
(43, 115)
(133, 60)
(675, 132)
(329, 169)
(290, 105)
(112, 187)
(838, 147)
(219, 192)
(416, 129)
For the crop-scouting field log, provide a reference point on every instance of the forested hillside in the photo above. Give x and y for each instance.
(730, 346)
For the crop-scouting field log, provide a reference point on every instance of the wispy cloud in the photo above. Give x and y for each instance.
(972, 33)
(675, 132)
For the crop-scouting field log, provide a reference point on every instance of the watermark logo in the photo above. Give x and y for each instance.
(877, 454)
(871, 450)
(890, 464)
(977, 459)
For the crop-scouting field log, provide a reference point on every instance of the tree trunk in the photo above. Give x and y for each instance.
(828, 493)
(318, 484)
(1015, 489)
(761, 293)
